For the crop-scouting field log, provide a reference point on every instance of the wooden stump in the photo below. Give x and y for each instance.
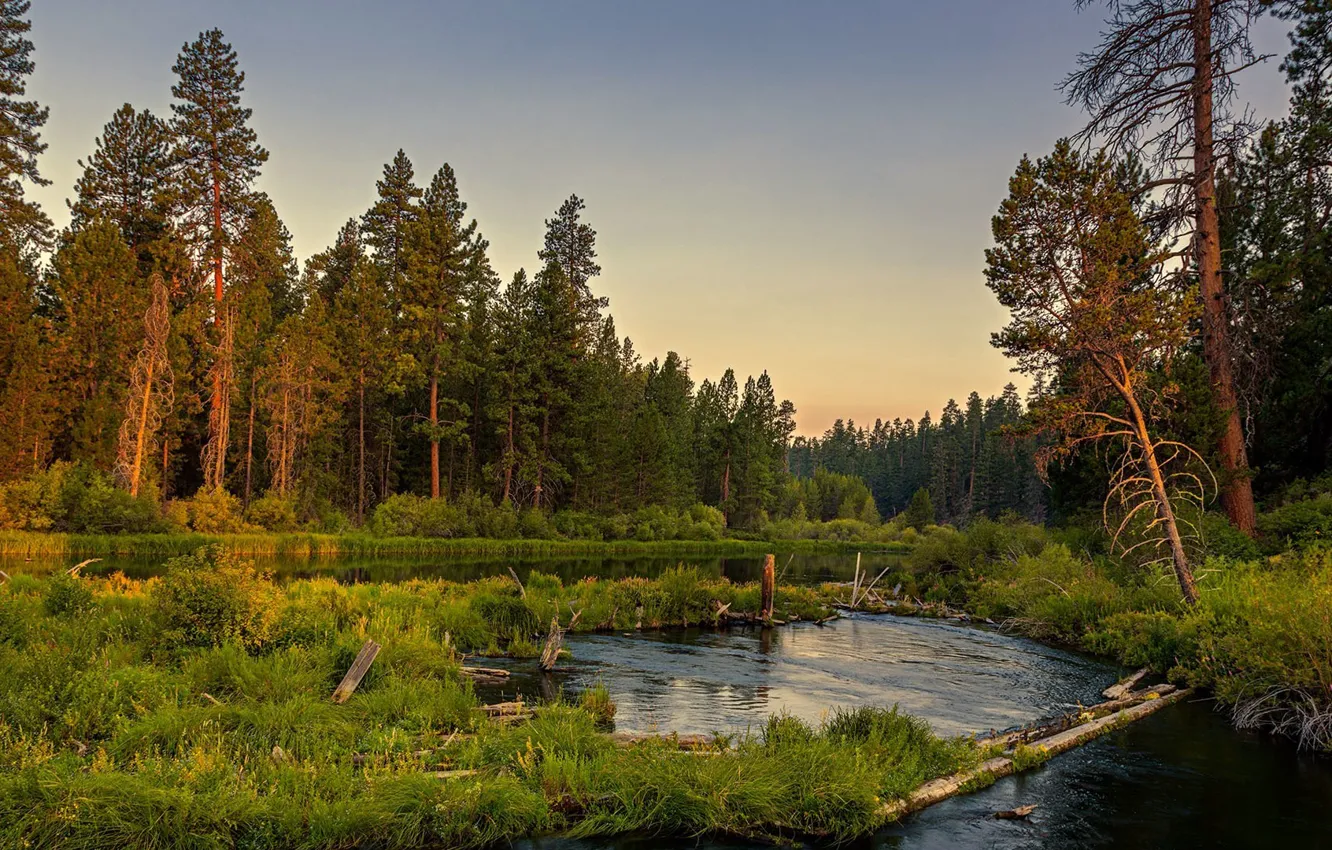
(359, 668)
(768, 588)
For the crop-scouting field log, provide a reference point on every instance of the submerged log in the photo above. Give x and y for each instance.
(359, 668)
(941, 789)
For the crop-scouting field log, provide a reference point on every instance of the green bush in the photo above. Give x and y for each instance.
(76, 498)
(66, 596)
(273, 512)
(212, 598)
(216, 512)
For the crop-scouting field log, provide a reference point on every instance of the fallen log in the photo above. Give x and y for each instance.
(359, 668)
(1044, 729)
(941, 789)
(454, 774)
(485, 674)
(1125, 685)
(684, 742)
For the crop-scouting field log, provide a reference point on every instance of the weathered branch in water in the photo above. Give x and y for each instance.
(987, 772)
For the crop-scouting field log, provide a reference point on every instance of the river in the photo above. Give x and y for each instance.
(1182, 778)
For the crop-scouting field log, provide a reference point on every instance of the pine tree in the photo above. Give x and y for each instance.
(23, 226)
(361, 315)
(97, 298)
(219, 157)
(1161, 83)
(386, 225)
(443, 254)
(128, 180)
(571, 244)
(25, 382)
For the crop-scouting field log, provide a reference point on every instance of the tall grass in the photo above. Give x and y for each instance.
(187, 712)
(1260, 636)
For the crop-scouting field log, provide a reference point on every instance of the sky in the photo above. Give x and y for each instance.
(802, 188)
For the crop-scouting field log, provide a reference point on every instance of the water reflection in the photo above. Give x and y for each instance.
(1179, 779)
(796, 569)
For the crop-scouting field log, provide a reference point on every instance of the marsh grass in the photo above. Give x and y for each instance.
(193, 710)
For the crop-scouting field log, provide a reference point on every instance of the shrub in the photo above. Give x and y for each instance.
(76, 498)
(273, 512)
(213, 597)
(215, 512)
(66, 596)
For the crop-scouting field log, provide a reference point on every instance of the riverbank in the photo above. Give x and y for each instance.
(1258, 638)
(28, 544)
(194, 709)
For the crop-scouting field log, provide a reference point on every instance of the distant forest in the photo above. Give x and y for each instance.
(169, 341)
(971, 461)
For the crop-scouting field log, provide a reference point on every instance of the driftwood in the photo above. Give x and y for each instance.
(684, 742)
(359, 668)
(1046, 728)
(74, 570)
(1020, 813)
(485, 675)
(522, 591)
(1125, 685)
(550, 653)
(996, 768)
(454, 774)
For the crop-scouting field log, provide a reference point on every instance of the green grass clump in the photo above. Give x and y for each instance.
(193, 710)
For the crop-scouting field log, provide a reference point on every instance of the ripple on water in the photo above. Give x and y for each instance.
(959, 679)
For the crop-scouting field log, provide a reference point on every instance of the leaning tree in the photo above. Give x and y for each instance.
(1093, 319)
(1160, 86)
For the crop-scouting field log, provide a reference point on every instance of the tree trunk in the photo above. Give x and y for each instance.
(216, 402)
(360, 470)
(1164, 510)
(249, 448)
(434, 439)
(508, 461)
(1237, 492)
(142, 435)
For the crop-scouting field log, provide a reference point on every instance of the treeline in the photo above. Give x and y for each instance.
(969, 462)
(169, 337)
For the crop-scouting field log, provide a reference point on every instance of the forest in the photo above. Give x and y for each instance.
(169, 364)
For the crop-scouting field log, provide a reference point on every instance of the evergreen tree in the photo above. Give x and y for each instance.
(219, 157)
(128, 180)
(97, 296)
(571, 245)
(23, 226)
(444, 253)
(386, 225)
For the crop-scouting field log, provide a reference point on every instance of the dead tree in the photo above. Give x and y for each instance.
(1093, 318)
(150, 391)
(1159, 87)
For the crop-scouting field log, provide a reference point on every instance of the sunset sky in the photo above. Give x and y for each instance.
(798, 187)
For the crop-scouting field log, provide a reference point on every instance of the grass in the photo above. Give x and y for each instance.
(193, 710)
(27, 544)
(1260, 637)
